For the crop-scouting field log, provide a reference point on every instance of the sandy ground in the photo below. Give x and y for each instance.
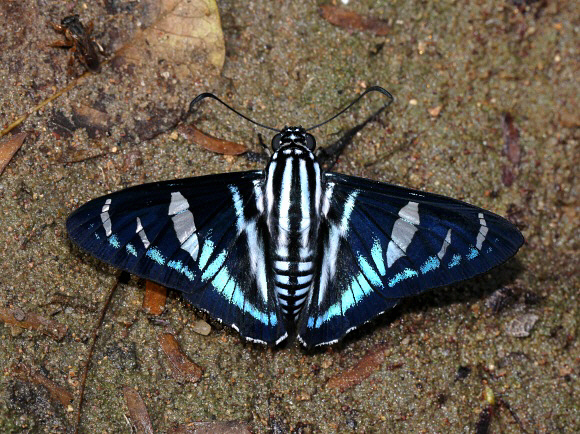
(455, 69)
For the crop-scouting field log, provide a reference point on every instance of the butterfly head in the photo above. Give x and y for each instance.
(293, 136)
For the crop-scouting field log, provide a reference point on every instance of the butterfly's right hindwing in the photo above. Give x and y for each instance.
(204, 236)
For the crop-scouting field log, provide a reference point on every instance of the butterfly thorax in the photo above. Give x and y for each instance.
(293, 191)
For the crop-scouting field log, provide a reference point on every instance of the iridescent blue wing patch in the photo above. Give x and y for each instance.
(203, 236)
(380, 243)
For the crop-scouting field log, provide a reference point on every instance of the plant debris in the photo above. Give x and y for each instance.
(178, 31)
(370, 362)
(28, 320)
(182, 368)
(57, 393)
(154, 299)
(138, 413)
(210, 143)
(500, 299)
(231, 427)
(350, 20)
(9, 147)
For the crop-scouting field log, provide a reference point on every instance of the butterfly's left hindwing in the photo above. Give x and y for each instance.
(380, 242)
(203, 236)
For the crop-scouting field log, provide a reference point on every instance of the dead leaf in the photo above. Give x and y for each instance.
(231, 427)
(154, 299)
(57, 393)
(152, 74)
(137, 411)
(27, 320)
(362, 370)
(350, 20)
(210, 143)
(9, 147)
(182, 368)
(186, 34)
(90, 118)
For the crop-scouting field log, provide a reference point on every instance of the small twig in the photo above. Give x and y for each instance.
(42, 104)
(90, 354)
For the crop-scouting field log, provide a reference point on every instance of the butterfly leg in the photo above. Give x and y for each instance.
(328, 156)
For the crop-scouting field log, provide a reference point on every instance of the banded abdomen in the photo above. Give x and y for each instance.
(293, 189)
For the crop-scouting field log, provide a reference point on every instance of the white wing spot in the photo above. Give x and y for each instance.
(482, 231)
(142, 234)
(106, 218)
(183, 224)
(445, 245)
(403, 231)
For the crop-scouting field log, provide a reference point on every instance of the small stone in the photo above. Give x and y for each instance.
(201, 327)
(434, 112)
(521, 326)
(326, 363)
(18, 314)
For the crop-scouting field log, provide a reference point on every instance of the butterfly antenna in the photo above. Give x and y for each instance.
(211, 95)
(369, 90)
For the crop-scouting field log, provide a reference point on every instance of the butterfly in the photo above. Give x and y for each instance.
(292, 249)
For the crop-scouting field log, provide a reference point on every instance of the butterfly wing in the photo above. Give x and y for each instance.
(203, 236)
(381, 242)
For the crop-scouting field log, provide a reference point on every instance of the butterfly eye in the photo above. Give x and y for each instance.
(277, 141)
(310, 141)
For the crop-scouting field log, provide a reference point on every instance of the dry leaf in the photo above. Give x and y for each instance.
(182, 368)
(137, 411)
(27, 320)
(232, 427)
(9, 147)
(146, 85)
(362, 370)
(185, 34)
(210, 143)
(57, 393)
(154, 299)
(350, 20)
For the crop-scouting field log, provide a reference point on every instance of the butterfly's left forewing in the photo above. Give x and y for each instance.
(203, 236)
(380, 242)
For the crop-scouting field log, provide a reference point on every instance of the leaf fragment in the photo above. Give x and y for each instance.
(182, 368)
(155, 297)
(28, 320)
(210, 143)
(57, 393)
(368, 364)
(346, 19)
(230, 427)
(9, 147)
(137, 411)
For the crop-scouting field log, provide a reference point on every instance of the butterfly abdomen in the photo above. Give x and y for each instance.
(293, 190)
